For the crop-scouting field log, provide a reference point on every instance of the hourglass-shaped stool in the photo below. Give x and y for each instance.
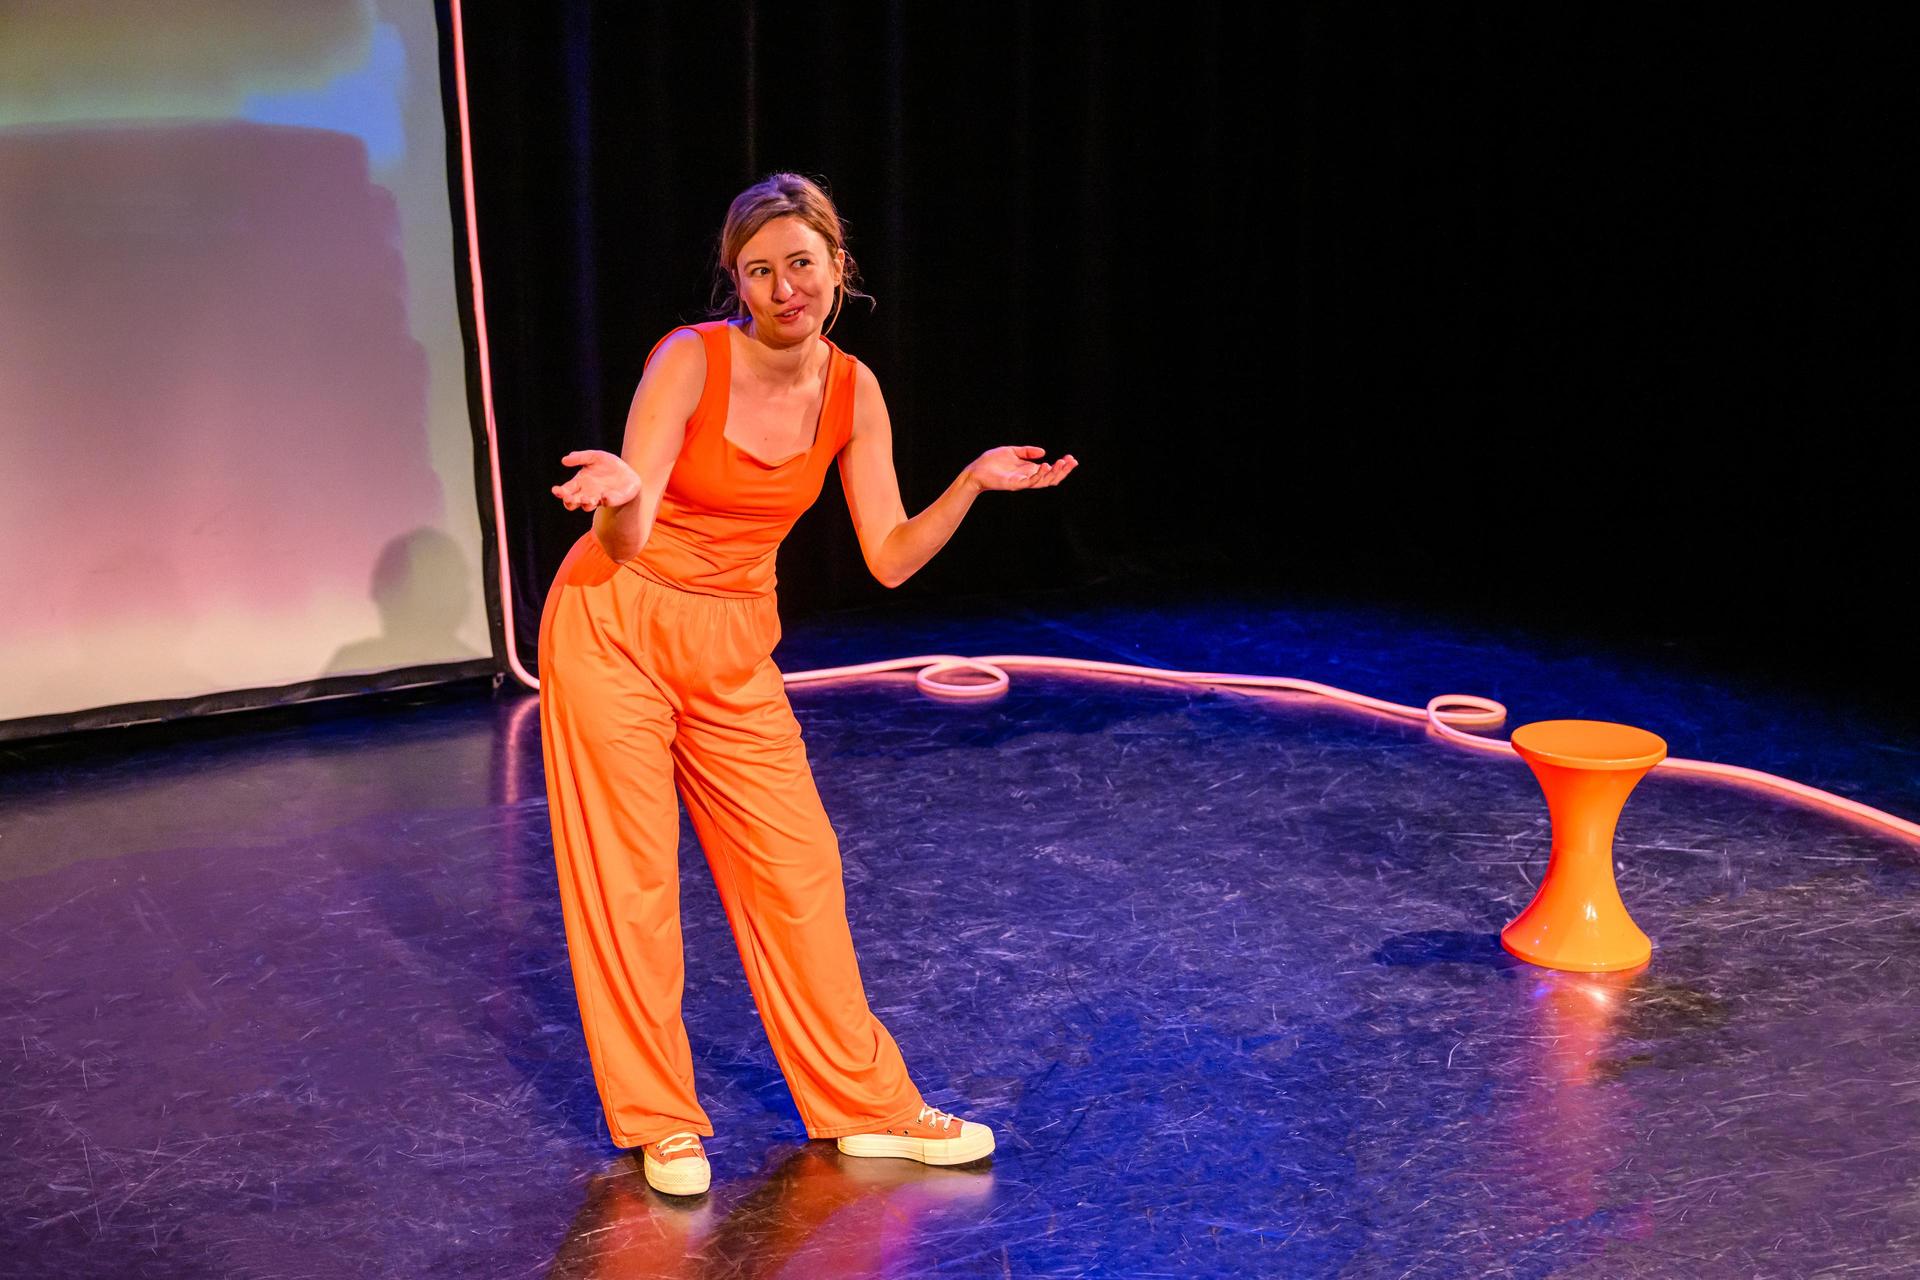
(1577, 921)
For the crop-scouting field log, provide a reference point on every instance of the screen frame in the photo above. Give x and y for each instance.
(469, 300)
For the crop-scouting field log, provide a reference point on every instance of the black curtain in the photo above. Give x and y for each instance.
(1583, 318)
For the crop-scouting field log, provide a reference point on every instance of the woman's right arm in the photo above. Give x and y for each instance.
(624, 492)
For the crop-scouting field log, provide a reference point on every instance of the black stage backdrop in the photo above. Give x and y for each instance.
(1589, 319)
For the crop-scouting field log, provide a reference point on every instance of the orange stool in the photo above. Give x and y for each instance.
(1576, 921)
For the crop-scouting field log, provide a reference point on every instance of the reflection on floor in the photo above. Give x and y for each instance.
(1220, 967)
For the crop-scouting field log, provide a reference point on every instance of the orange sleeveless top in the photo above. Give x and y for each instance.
(725, 512)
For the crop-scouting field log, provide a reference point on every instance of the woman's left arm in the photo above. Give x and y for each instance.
(895, 547)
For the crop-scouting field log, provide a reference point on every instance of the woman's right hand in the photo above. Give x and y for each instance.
(603, 480)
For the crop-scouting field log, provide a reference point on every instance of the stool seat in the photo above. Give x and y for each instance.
(1588, 744)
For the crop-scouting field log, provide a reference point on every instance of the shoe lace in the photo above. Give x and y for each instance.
(936, 1118)
(678, 1142)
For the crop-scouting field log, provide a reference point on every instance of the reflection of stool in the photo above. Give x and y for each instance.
(1576, 920)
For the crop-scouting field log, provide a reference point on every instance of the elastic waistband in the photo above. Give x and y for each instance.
(654, 579)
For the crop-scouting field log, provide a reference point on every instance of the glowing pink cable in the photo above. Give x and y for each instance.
(486, 364)
(1448, 715)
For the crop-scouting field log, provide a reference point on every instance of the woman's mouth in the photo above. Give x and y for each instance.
(790, 314)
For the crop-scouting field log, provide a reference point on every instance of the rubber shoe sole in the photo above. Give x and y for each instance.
(974, 1142)
(690, 1176)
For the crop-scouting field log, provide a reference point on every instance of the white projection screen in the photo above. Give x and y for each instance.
(233, 389)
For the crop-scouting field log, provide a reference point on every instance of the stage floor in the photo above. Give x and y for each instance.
(1221, 968)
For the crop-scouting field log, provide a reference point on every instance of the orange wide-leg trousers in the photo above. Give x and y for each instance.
(645, 688)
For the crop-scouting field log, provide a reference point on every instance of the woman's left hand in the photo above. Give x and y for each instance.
(1018, 466)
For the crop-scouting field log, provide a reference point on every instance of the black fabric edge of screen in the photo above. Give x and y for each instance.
(143, 715)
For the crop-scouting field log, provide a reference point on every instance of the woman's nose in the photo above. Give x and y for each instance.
(782, 287)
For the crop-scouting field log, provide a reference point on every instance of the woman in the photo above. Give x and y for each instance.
(655, 670)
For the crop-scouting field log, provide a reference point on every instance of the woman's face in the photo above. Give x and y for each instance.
(786, 275)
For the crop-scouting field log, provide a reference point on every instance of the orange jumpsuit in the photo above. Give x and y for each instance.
(658, 673)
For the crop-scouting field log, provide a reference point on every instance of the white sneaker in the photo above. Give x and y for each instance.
(934, 1137)
(676, 1165)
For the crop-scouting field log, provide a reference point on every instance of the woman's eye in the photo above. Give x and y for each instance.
(802, 262)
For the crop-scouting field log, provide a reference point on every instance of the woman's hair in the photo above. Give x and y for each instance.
(780, 195)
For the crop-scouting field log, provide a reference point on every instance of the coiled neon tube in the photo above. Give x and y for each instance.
(1448, 716)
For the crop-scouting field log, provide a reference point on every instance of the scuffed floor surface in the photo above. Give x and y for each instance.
(1221, 969)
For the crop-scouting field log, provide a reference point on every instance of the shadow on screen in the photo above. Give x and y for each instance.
(422, 587)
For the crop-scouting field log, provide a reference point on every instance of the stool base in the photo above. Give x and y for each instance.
(1624, 953)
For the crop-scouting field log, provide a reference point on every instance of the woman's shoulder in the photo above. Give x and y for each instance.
(687, 345)
(862, 375)
(847, 363)
(678, 365)
(699, 332)
(866, 406)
